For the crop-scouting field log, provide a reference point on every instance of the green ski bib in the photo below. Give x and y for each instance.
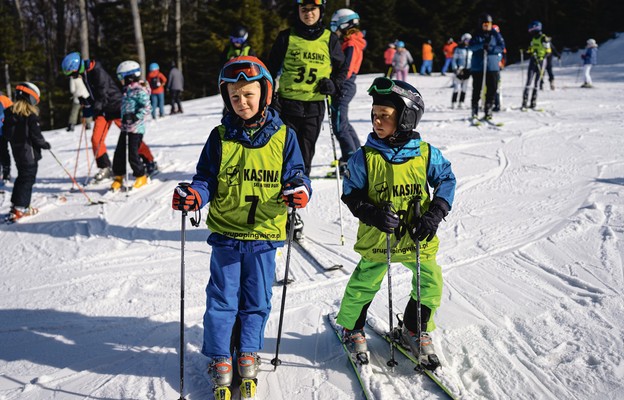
(248, 204)
(397, 184)
(306, 62)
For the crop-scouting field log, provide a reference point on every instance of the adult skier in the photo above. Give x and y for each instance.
(539, 48)
(486, 45)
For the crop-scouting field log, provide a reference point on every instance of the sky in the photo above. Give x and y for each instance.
(531, 254)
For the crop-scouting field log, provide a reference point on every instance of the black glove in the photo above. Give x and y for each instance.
(129, 119)
(486, 46)
(385, 221)
(426, 226)
(326, 86)
(46, 146)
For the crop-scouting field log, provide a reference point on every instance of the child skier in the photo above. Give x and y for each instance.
(386, 178)
(249, 164)
(157, 81)
(21, 128)
(589, 58)
(539, 48)
(345, 23)
(401, 61)
(460, 64)
(135, 106)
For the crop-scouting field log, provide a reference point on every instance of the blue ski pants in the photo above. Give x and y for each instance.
(240, 286)
(346, 135)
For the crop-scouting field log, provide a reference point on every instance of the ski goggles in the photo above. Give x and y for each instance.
(314, 2)
(238, 40)
(247, 70)
(385, 86)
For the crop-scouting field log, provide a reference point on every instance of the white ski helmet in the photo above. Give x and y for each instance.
(591, 43)
(28, 91)
(466, 37)
(343, 20)
(130, 70)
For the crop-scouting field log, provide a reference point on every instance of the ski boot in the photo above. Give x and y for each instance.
(102, 174)
(423, 348)
(552, 85)
(17, 213)
(117, 183)
(220, 372)
(140, 181)
(151, 168)
(248, 365)
(355, 340)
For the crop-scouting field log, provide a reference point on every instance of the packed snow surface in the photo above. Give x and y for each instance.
(533, 302)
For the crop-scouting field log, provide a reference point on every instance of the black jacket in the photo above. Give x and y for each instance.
(105, 93)
(24, 134)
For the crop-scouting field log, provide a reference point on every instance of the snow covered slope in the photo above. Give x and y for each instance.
(533, 305)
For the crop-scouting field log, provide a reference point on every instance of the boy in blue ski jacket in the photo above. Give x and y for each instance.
(250, 171)
(387, 186)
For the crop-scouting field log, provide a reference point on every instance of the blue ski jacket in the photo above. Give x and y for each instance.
(439, 173)
(495, 46)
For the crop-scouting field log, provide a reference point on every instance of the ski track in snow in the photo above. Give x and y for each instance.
(532, 255)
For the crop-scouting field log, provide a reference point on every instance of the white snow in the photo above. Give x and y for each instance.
(531, 253)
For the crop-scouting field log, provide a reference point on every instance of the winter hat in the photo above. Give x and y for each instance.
(28, 91)
(591, 43)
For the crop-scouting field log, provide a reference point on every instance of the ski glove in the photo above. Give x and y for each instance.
(326, 86)
(46, 146)
(385, 221)
(129, 119)
(425, 227)
(296, 194)
(185, 198)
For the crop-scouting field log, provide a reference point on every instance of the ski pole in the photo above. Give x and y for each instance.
(522, 66)
(392, 362)
(276, 361)
(482, 93)
(331, 131)
(183, 241)
(82, 132)
(418, 311)
(72, 178)
(127, 163)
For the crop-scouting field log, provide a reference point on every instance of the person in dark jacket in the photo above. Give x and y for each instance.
(486, 46)
(175, 86)
(5, 157)
(105, 104)
(311, 65)
(22, 129)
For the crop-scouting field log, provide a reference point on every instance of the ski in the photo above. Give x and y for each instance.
(474, 121)
(41, 205)
(527, 109)
(222, 393)
(305, 248)
(491, 122)
(358, 361)
(438, 376)
(248, 389)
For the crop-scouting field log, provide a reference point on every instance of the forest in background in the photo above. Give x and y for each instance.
(35, 35)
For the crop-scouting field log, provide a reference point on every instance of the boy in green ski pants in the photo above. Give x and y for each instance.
(385, 178)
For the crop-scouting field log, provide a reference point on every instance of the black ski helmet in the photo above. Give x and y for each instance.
(319, 3)
(485, 17)
(403, 97)
(239, 35)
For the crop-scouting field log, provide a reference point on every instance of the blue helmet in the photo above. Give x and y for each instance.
(400, 44)
(154, 67)
(72, 63)
(535, 27)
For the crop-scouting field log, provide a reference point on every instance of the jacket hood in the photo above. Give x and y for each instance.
(395, 155)
(356, 40)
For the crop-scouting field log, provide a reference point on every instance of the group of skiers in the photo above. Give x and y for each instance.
(386, 185)
(254, 169)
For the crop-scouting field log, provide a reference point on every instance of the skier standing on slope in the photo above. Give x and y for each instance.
(462, 56)
(135, 106)
(486, 46)
(21, 128)
(245, 183)
(311, 66)
(345, 23)
(157, 81)
(538, 49)
(590, 58)
(395, 169)
(401, 61)
(105, 103)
